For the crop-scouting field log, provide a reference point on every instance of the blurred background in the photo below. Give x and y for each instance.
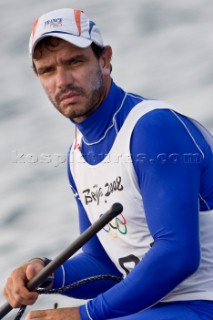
(161, 49)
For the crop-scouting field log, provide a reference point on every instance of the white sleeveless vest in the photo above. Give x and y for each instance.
(127, 238)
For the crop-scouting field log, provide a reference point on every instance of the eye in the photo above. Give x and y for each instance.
(46, 70)
(75, 61)
(42, 71)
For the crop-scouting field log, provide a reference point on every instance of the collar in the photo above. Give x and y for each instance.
(94, 127)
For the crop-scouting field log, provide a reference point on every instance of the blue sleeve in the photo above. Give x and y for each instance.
(92, 261)
(170, 191)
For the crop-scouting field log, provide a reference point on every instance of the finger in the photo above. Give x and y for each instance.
(21, 294)
(17, 294)
(15, 289)
(32, 270)
(7, 291)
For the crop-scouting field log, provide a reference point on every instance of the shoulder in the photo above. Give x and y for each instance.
(166, 129)
(158, 118)
(158, 124)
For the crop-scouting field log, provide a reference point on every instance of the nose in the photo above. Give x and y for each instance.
(64, 77)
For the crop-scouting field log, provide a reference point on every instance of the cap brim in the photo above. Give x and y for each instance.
(75, 40)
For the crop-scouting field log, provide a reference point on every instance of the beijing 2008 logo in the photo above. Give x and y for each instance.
(116, 226)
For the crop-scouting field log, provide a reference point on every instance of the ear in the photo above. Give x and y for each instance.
(34, 68)
(105, 60)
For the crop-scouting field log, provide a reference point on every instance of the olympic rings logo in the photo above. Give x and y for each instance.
(116, 226)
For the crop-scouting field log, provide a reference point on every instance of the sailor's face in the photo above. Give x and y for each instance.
(72, 77)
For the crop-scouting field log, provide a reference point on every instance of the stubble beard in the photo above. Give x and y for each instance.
(93, 98)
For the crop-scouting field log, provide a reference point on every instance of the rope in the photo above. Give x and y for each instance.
(69, 287)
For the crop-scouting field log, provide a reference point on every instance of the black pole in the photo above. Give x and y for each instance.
(34, 283)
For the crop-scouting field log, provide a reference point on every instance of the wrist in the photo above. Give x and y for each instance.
(48, 283)
(45, 261)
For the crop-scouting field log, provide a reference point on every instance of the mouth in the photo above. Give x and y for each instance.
(69, 98)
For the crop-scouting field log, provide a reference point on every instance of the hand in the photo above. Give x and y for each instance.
(55, 314)
(15, 290)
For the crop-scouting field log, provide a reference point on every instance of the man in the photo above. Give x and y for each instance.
(155, 161)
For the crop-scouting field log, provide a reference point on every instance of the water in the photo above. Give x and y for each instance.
(162, 49)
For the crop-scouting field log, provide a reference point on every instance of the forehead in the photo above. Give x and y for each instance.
(50, 46)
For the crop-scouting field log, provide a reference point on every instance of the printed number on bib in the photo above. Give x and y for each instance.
(128, 263)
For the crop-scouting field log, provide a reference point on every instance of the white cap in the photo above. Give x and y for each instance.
(68, 24)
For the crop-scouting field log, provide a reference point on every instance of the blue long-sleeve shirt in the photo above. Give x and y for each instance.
(170, 194)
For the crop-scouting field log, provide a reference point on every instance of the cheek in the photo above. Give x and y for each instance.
(48, 86)
(93, 79)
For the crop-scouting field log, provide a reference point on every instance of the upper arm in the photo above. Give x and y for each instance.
(168, 181)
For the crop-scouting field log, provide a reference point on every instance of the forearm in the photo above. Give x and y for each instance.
(83, 266)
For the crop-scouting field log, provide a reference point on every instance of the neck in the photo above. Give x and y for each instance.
(94, 126)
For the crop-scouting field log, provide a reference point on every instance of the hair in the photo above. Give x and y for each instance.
(98, 51)
(51, 43)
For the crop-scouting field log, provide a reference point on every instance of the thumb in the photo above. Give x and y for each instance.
(32, 270)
